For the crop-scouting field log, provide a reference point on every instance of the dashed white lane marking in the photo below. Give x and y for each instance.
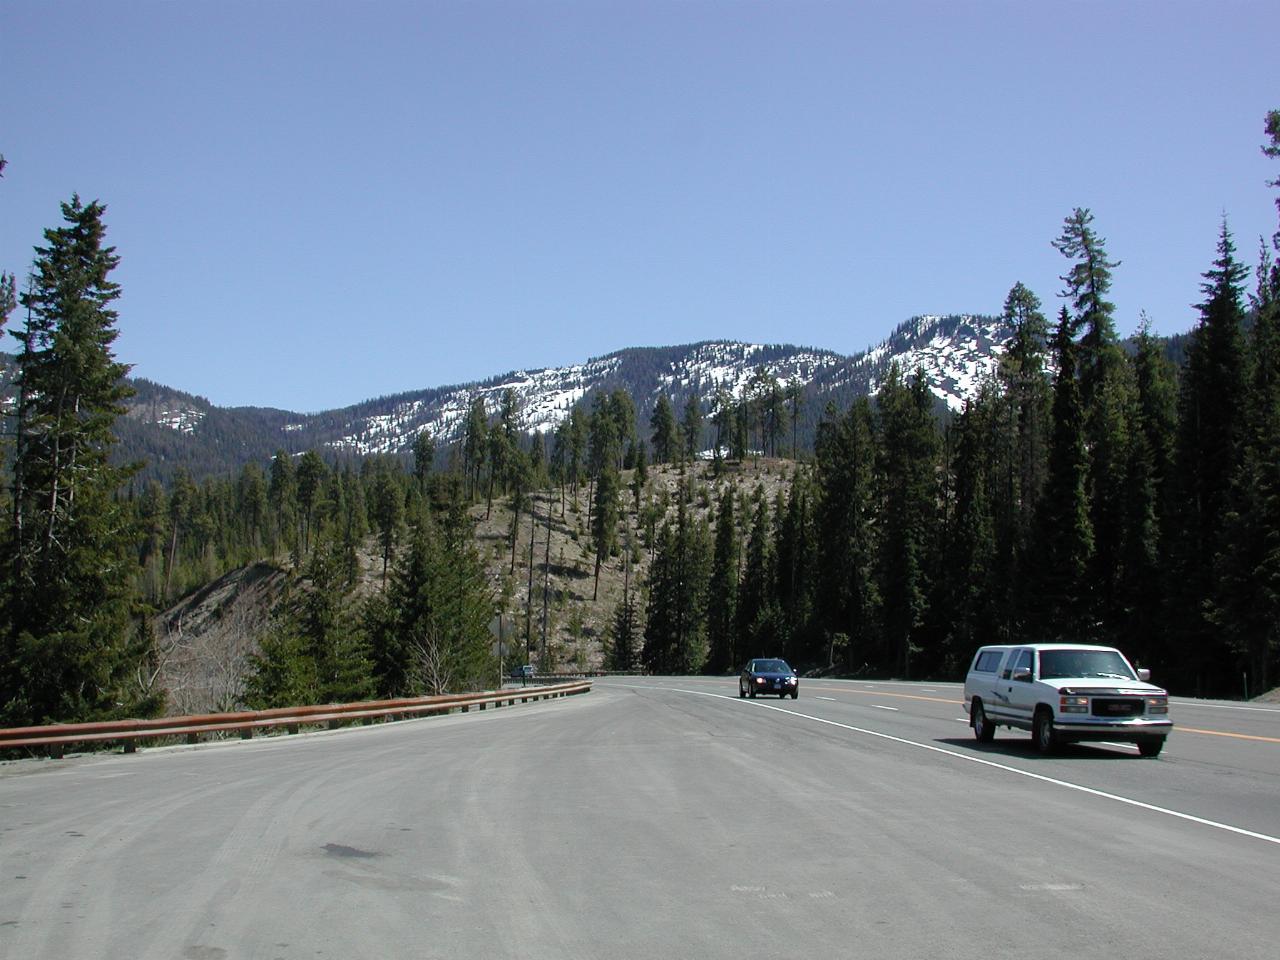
(982, 761)
(832, 699)
(880, 706)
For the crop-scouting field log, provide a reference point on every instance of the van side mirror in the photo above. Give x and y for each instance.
(1022, 676)
(1144, 674)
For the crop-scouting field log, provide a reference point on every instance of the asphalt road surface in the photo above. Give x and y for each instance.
(656, 818)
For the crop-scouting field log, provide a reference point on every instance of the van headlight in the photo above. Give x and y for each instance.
(1158, 705)
(1073, 704)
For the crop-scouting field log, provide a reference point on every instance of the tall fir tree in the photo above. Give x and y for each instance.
(968, 591)
(909, 451)
(662, 426)
(1057, 561)
(723, 654)
(756, 596)
(846, 518)
(70, 646)
(1148, 472)
(1106, 393)
(1246, 604)
(1206, 459)
(691, 427)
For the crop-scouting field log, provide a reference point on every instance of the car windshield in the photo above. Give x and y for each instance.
(1107, 664)
(771, 666)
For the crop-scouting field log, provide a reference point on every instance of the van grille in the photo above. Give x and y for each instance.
(1127, 707)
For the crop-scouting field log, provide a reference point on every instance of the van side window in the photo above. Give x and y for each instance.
(988, 661)
(1022, 666)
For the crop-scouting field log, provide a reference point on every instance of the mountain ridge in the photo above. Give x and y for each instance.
(172, 429)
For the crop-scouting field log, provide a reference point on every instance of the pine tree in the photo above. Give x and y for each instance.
(424, 455)
(795, 397)
(756, 598)
(691, 427)
(604, 530)
(773, 415)
(1088, 284)
(1246, 605)
(909, 451)
(251, 496)
(313, 654)
(1106, 395)
(1207, 458)
(640, 473)
(675, 620)
(70, 645)
(8, 290)
(722, 599)
(662, 423)
(846, 520)
(969, 592)
(622, 411)
(1148, 485)
(796, 570)
(387, 514)
(282, 497)
(311, 474)
(475, 444)
(722, 419)
(519, 474)
(1058, 558)
(621, 654)
(1024, 375)
(440, 606)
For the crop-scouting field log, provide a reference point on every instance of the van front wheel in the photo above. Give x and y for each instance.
(1152, 747)
(1042, 734)
(984, 730)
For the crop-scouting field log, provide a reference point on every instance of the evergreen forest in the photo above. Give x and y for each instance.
(1092, 490)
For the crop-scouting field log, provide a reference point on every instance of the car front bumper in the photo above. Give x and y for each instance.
(1137, 728)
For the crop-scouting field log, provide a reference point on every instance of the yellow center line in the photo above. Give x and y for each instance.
(1223, 733)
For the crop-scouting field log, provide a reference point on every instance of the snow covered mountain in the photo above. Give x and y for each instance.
(171, 429)
(954, 353)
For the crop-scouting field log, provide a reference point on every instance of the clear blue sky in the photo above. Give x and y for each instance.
(317, 203)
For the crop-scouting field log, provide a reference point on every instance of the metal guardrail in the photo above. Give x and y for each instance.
(57, 737)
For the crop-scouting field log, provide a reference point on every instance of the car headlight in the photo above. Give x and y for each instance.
(1073, 704)
(759, 679)
(1157, 704)
(791, 680)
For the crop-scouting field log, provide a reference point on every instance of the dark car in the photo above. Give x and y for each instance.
(768, 676)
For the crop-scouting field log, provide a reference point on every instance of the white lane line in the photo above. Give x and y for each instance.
(1222, 706)
(982, 761)
(882, 707)
(832, 699)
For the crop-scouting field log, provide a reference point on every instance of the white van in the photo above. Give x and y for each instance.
(1063, 693)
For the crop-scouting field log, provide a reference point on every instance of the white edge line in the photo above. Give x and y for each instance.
(1240, 831)
(1223, 706)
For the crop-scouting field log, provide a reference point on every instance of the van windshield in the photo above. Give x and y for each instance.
(1108, 664)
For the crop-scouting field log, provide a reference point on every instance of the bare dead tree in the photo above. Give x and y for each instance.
(430, 668)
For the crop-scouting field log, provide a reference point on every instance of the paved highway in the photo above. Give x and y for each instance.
(655, 817)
